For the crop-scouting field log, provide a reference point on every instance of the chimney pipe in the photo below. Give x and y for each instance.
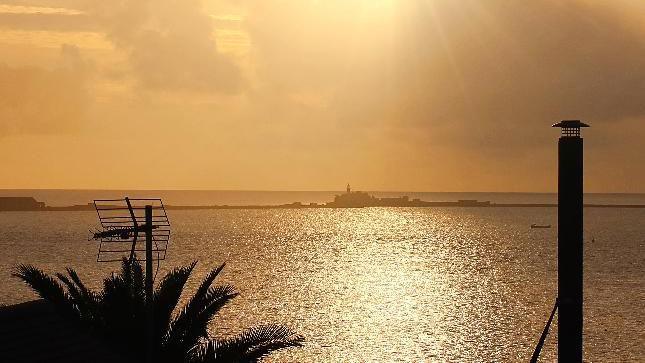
(570, 241)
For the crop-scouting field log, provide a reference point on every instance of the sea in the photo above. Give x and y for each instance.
(440, 284)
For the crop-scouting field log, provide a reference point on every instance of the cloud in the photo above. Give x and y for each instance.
(520, 66)
(170, 45)
(466, 90)
(35, 100)
(51, 22)
(433, 94)
(467, 72)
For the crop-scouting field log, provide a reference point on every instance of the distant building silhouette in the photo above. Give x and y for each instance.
(358, 199)
(353, 199)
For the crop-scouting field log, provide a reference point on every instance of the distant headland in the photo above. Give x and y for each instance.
(349, 199)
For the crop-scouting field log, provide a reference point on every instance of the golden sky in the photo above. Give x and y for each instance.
(409, 95)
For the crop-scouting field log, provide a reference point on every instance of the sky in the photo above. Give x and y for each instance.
(416, 95)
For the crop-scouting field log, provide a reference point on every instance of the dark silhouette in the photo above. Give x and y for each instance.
(20, 204)
(34, 332)
(352, 199)
(545, 332)
(535, 225)
(118, 314)
(119, 226)
(570, 244)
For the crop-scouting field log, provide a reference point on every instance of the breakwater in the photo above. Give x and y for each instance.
(342, 201)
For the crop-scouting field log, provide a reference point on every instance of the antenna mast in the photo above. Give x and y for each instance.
(122, 221)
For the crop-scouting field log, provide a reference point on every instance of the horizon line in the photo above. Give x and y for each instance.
(294, 191)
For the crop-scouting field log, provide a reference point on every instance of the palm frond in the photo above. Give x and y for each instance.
(264, 334)
(192, 327)
(256, 354)
(191, 322)
(196, 302)
(126, 270)
(167, 296)
(133, 279)
(86, 301)
(250, 346)
(217, 297)
(115, 299)
(87, 294)
(132, 284)
(118, 311)
(138, 281)
(122, 317)
(118, 303)
(46, 287)
(74, 294)
(72, 290)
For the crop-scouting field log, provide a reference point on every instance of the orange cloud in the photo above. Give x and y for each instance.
(37, 100)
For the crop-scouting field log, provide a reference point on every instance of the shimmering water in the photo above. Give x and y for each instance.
(383, 284)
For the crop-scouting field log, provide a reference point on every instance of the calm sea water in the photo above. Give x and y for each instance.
(382, 284)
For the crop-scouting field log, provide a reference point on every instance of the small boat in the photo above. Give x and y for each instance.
(540, 225)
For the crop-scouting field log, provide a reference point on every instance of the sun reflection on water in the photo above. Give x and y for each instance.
(382, 284)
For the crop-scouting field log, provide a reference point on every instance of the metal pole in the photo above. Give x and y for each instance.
(540, 344)
(136, 226)
(149, 292)
(570, 248)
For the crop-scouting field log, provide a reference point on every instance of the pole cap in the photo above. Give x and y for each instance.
(570, 124)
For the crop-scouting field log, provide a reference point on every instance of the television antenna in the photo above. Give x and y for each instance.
(123, 220)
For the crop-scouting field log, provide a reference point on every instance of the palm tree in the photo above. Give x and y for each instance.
(118, 313)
